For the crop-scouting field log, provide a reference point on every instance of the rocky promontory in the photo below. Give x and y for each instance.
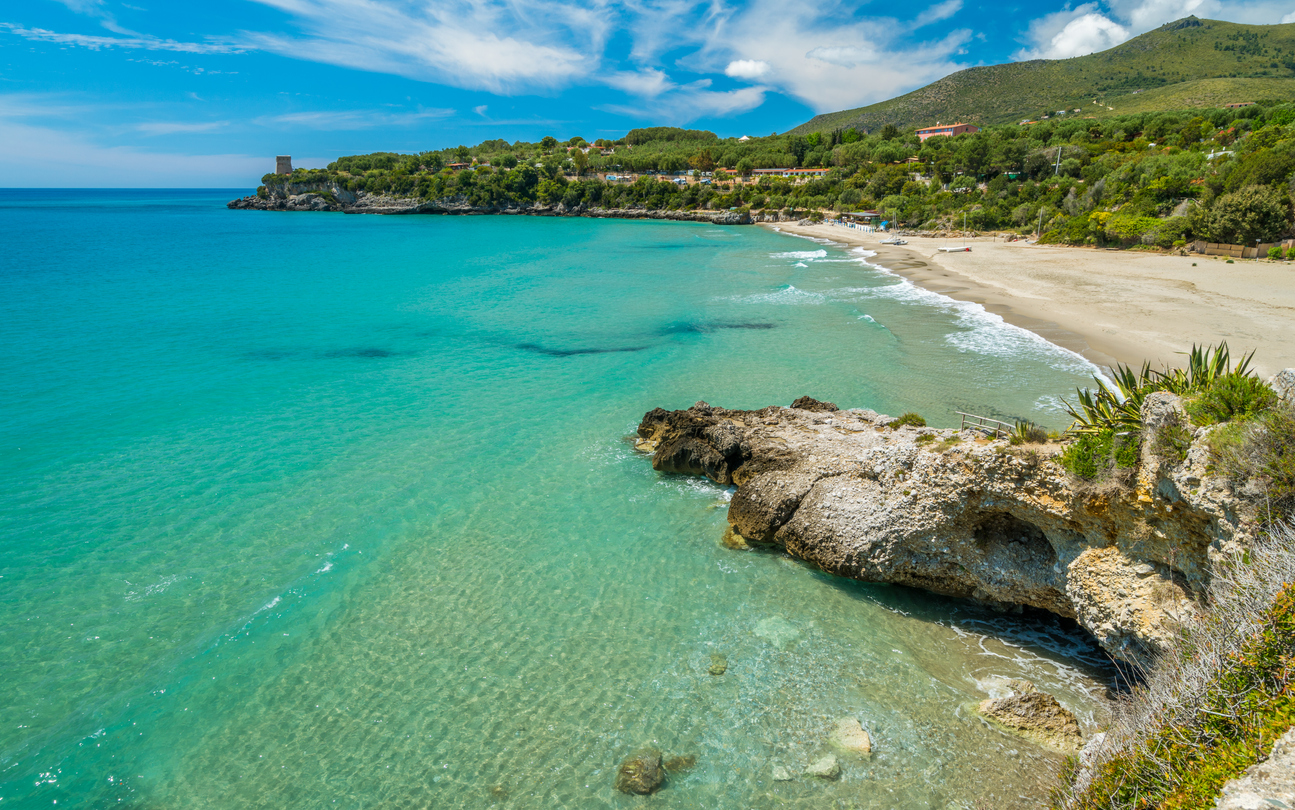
(961, 514)
(333, 197)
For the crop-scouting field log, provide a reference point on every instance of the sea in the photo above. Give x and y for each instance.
(306, 510)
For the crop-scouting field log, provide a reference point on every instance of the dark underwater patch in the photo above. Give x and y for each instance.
(709, 326)
(551, 352)
(368, 352)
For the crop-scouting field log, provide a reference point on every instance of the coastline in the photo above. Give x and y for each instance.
(1107, 306)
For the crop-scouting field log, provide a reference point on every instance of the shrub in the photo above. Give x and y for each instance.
(909, 419)
(1027, 432)
(1260, 453)
(1221, 693)
(925, 438)
(1096, 456)
(1275, 253)
(1171, 441)
(1231, 397)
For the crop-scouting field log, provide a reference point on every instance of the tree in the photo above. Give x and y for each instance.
(462, 155)
(1255, 213)
(745, 166)
(508, 161)
(549, 143)
(581, 160)
(889, 132)
(702, 161)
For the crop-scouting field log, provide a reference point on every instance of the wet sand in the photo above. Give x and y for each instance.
(1109, 306)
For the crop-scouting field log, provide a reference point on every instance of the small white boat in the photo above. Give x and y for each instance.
(963, 249)
(894, 240)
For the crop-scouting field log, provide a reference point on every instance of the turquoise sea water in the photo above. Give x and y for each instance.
(301, 510)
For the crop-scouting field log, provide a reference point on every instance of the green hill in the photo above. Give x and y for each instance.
(1188, 63)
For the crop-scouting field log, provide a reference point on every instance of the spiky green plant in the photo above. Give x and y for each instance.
(1119, 407)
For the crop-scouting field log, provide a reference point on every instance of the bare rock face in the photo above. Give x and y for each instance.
(961, 515)
(1264, 785)
(641, 773)
(1037, 716)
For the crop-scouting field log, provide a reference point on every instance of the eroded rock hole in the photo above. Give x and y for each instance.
(1026, 543)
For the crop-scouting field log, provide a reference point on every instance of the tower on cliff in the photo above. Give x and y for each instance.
(283, 164)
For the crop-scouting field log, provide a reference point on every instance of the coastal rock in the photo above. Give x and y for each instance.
(331, 197)
(811, 404)
(851, 737)
(1283, 382)
(641, 773)
(826, 768)
(966, 516)
(1037, 716)
(1264, 785)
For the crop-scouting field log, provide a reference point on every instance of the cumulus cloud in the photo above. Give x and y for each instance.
(746, 68)
(1084, 34)
(648, 82)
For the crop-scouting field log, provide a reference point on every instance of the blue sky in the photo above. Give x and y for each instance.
(204, 94)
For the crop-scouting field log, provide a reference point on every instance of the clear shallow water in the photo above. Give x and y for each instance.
(302, 510)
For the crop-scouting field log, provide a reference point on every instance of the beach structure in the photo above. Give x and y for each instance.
(283, 164)
(946, 130)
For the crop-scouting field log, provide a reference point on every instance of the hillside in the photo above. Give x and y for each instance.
(1188, 63)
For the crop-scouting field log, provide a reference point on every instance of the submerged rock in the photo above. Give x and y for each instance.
(962, 515)
(680, 764)
(718, 664)
(826, 768)
(781, 774)
(1037, 716)
(851, 737)
(641, 773)
(777, 631)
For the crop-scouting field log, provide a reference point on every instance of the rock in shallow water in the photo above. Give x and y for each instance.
(681, 763)
(777, 631)
(781, 774)
(718, 664)
(851, 737)
(825, 768)
(1037, 716)
(641, 773)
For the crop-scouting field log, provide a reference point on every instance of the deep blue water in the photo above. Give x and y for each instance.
(307, 509)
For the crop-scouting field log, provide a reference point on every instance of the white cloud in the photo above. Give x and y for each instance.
(480, 110)
(478, 44)
(1289, 18)
(1084, 34)
(648, 82)
(846, 56)
(96, 43)
(937, 12)
(746, 68)
(354, 119)
(179, 127)
(692, 101)
(37, 156)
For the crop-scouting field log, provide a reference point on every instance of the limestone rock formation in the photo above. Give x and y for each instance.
(962, 515)
(331, 197)
(1264, 785)
(641, 773)
(1037, 716)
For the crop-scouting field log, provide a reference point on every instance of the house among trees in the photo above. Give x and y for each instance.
(949, 130)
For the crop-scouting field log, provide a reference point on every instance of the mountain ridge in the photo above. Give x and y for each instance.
(1186, 63)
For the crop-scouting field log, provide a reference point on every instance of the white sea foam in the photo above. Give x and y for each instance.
(983, 332)
(800, 254)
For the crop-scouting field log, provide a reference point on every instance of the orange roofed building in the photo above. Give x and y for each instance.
(948, 129)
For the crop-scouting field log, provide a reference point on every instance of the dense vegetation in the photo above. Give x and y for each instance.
(1219, 697)
(1188, 63)
(1148, 180)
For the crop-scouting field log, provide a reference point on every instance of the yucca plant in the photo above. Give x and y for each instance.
(1119, 408)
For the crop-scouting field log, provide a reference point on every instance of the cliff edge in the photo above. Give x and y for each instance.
(960, 514)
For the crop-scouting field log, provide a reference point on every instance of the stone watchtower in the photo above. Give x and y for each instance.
(283, 164)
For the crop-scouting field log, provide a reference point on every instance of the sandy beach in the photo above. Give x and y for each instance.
(1110, 306)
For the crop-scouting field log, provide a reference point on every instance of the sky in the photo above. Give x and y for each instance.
(204, 93)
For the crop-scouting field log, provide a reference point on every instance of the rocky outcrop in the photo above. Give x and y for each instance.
(1035, 715)
(963, 515)
(305, 197)
(1264, 785)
